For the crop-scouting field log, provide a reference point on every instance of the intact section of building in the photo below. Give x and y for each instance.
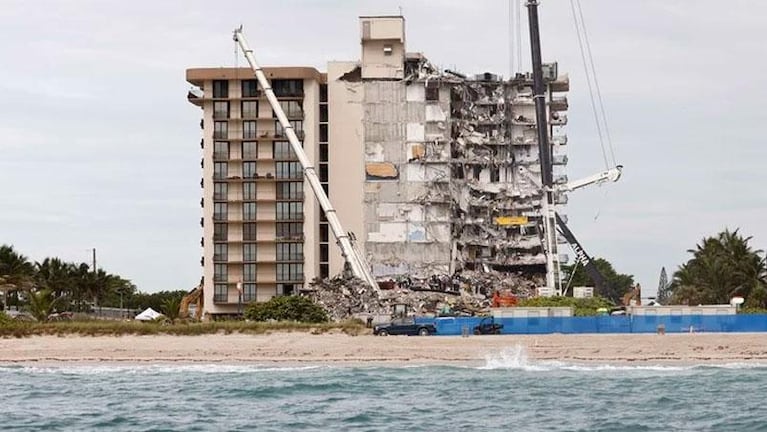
(261, 232)
(433, 171)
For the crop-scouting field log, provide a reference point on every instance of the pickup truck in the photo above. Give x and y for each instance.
(404, 326)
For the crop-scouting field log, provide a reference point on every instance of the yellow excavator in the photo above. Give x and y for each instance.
(195, 298)
(635, 294)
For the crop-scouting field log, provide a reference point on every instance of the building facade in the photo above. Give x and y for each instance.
(433, 171)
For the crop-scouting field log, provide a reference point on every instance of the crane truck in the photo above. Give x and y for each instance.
(352, 256)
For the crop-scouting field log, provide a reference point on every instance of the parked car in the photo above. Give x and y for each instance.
(488, 326)
(404, 326)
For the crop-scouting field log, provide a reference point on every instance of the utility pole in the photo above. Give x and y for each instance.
(544, 149)
(95, 283)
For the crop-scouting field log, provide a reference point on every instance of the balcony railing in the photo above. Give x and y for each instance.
(219, 216)
(220, 257)
(249, 134)
(219, 277)
(219, 134)
(217, 156)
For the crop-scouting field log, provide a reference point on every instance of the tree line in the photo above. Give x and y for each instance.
(721, 267)
(54, 285)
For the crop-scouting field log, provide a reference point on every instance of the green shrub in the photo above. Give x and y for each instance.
(4, 319)
(581, 306)
(287, 308)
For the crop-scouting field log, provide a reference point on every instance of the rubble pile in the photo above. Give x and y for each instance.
(464, 294)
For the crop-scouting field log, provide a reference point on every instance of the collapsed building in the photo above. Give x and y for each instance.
(435, 173)
(451, 163)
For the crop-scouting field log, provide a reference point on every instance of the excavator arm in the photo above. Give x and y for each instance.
(194, 297)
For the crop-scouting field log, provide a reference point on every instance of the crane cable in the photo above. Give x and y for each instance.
(587, 59)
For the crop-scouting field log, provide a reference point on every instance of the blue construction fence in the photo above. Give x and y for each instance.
(448, 326)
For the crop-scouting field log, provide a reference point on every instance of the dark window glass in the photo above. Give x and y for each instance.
(250, 150)
(220, 88)
(250, 88)
(324, 172)
(249, 231)
(248, 191)
(323, 152)
(249, 109)
(249, 252)
(324, 253)
(323, 113)
(249, 130)
(220, 110)
(288, 87)
(220, 191)
(324, 230)
(220, 293)
(220, 130)
(220, 232)
(323, 92)
(248, 292)
(248, 170)
(324, 270)
(323, 133)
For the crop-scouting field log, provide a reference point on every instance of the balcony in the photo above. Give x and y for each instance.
(220, 156)
(219, 134)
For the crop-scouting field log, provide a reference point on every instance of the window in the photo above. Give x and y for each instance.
(249, 211)
(220, 252)
(220, 130)
(220, 232)
(248, 191)
(220, 293)
(290, 210)
(323, 152)
(288, 87)
(291, 109)
(249, 88)
(249, 231)
(323, 133)
(290, 190)
(297, 125)
(220, 191)
(249, 109)
(248, 169)
(324, 231)
(324, 253)
(432, 90)
(220, 89)
(324, 270)
(250, 150)
(290, 272)
(220, 211)
(221, 150)
(220, 170)
(221, 110)
(283, 150)
(324, 113)
(290, 251)
(249, 130)
(495, 174)
(289, 170)
(249, 292)
(324, 172)
(249, 272)
(249, 252)
(220, 272)
(290, 231)
(323, 93)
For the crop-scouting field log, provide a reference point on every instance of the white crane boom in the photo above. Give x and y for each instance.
(357, 263)
(611, 175)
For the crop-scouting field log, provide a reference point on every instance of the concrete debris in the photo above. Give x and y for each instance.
(466, 293)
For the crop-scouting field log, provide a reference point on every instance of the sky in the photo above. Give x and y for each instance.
(99, 147)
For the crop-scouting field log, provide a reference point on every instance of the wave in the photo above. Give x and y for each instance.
(81, 369)
(516, 358)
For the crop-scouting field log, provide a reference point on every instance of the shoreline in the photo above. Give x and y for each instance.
(305, 349)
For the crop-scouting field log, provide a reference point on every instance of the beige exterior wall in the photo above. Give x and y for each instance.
(383, 47)
(346, 156)
(265, 185)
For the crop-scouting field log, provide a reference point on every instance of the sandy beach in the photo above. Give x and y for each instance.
(341, 348)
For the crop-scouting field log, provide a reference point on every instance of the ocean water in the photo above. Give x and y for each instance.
(507, 392)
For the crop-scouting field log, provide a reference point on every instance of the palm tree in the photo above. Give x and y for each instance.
(170, 308)
(721, 267)
(16, 273)
(41, 304)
